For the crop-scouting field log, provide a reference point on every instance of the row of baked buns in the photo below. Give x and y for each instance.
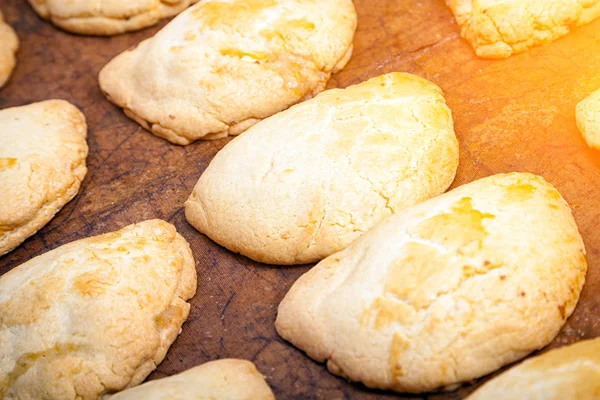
(96, 316)
(417, 290)
(495, 29)
(205, 76)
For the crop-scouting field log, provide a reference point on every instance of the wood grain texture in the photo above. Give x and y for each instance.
(512, 115)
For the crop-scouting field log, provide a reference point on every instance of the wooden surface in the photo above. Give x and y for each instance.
(511, 115)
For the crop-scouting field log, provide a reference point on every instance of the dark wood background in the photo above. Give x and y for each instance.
(511, 115)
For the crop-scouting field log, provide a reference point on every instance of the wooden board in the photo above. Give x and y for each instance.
(510, 115)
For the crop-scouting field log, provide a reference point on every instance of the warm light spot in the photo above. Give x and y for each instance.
(553, 194)
(271, 34)
(521, 191)
(241, 53)
(299, 24)
(190, 35)
(287, 29)
(459, 227)
(417, 277)
(176, 49)
(6, 163)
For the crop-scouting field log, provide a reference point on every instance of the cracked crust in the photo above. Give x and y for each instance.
(500, 28)
(9, 44)
(308, 181)
(222, 66)
(571, 372)
(588, 119)
(227, 379)
(42, 163)
(107, 17)
(94, 316)
(443, 292)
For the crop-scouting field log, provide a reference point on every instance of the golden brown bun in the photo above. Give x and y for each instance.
(227, 379)
(107, 17)
(569, 373)
(94, 316)
(42, 163)
(500, 28)
(588, 119)
(9, 44)
(443, 292)
(307, 182)
(221, 66)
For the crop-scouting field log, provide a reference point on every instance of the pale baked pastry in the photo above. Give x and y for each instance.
(223, 65)
(307, 182)
(42, 163)
(571, 372)
(107, 17)
(500, 28)
(588, 119)
(227, 379)
(94, 316)
(443, 292)
(9, 44)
